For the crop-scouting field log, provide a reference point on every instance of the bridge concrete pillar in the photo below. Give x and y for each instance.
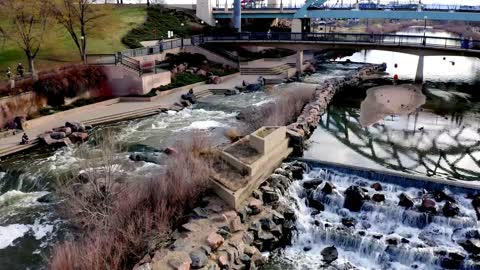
(419, 73)
(301, 25)
(299, 64)
(204, 12)
(296, 26)
(237, 15)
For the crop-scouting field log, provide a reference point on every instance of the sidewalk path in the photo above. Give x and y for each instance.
(43, 124)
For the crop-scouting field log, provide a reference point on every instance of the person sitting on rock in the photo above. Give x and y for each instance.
(24, 139)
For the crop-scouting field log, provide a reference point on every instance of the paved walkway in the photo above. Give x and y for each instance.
(42, 124)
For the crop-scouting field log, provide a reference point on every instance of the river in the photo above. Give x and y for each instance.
(439, 137)
(28, 227)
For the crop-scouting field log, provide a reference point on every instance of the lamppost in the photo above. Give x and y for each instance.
(425, 30)
(82, 38)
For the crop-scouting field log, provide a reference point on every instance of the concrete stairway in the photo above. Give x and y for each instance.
(144, 112)
(125, 116)
(95, 121)
(277, 70)
(18, 148)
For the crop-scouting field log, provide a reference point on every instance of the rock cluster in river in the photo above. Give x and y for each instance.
(424, 207)
(71, 132)
(312, 112)
(214, 236)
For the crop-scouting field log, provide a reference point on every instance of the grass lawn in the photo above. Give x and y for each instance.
(59, 48)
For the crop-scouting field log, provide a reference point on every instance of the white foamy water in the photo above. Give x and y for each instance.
(205, 124)
(9, 233)
(12, 232)
(15, 198)
(386, 220)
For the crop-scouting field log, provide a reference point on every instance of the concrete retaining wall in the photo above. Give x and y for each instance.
(211, 56)
(124, 82)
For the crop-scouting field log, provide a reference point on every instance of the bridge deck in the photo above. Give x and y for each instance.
(418, 45)
(443, 15)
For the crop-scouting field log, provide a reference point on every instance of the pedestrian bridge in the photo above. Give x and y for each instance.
(411, 44)
(299, 42)
(325, 9)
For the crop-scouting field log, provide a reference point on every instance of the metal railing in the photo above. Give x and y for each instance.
(379, 39)
(130, 63)
(159, 48)
(401, 6)
(126, 59)
(102, 59)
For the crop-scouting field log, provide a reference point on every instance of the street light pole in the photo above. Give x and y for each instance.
(425, 31)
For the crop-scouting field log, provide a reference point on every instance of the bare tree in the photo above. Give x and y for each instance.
(26, 25)
(78, 17)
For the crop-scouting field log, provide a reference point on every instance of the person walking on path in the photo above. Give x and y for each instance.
(9, 73)
(11, 80)
(20, 70)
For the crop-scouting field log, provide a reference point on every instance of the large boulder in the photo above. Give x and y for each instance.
(329, 254)
(355, 196)
(405, 201)
(315, 204)
(58, 135)
(199, 259)
(476, 205)
(377, 186)
(428, 205)
(66, 130)
(155, 158)
(378, 197)
(78, 137)
(214, 240)
(75, 126)
(472, 246)
(312, 183)
(450, 209)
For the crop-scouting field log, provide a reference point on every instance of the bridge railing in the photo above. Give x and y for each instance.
(159, 48)
(386, 39)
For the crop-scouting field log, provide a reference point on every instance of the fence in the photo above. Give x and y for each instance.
(126, 57)
(386, 39)
(162, 46)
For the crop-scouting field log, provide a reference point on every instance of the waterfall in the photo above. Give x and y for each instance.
(386, 236)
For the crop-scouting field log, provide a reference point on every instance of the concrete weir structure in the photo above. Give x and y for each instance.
(254, 158)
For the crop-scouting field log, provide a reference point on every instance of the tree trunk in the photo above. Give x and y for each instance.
(148, 3)
(31, 67)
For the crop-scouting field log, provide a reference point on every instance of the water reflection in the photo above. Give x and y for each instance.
(422, 143)
(387, 100)
(436, 68)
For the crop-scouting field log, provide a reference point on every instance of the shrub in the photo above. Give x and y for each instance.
(125, 219)
(69, 82)
(283, 110)
(159, 21)
(194, 59)
(182, 79)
